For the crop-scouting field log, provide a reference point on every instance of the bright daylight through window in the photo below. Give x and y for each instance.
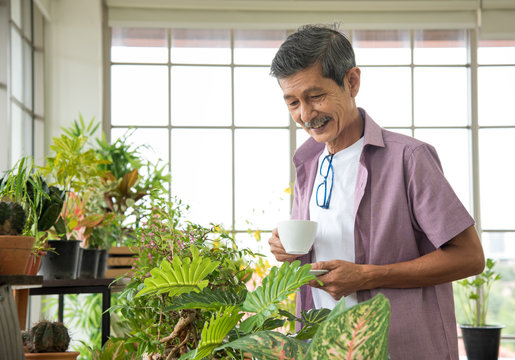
(204, 101)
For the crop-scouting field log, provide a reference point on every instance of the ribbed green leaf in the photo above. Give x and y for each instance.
(275, 287)
(269, 345)
(208, 299)
(360, 332)
(176, 278)
(215, 332)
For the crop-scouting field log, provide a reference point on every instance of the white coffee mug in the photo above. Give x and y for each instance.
(297, 236)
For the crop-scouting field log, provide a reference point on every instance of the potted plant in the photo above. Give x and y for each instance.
(481, 340)
(188, 294)
(48, 340)
(15, 249)
(75, 166)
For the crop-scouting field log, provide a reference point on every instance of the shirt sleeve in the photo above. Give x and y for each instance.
(436, 208)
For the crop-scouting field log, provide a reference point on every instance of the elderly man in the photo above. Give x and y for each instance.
(389, 222)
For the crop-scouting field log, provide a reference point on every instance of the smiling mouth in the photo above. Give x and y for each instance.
(318, 123)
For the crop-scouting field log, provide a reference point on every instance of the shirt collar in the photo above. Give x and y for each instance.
(311, 149)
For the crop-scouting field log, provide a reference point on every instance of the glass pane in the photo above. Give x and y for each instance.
(385, 93)
(202, 174)
(4, 135)
(201, 96)
(16, 133)
(302, 136)
(441, 97)
(4, 41)
(440, 47)
(496, 52)
(16, 65)
(39, 142)
(376, 47)
(39, 89)
(496, 92)
(258, 243)
(152, 144)
(496, 181)
(139, 45)
(406, 132)
(453, 147)
(38, 27)
(27, 134)
(257, 47)
(27, 22)
(16, 12)
(258, 99)
(198, 46)
(260, 197)
(497, 245)
(139, 95)
(27, 75)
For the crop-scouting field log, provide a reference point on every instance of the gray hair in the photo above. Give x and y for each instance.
(314, 44)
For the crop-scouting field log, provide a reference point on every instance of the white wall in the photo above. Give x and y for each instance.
(73, 64)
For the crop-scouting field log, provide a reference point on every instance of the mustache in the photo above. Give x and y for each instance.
(318, 121)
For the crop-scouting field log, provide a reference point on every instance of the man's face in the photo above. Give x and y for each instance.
(320, 106)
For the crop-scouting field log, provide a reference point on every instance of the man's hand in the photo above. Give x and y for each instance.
(343, 278)
(278, 250)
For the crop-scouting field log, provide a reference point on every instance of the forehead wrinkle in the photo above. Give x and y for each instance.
(304, 92)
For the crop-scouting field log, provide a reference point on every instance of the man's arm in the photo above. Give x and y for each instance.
(460, 257)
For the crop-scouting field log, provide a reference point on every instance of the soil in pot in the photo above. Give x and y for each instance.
(62, 262)
(89, 263)
(15, 252)
(481, 343)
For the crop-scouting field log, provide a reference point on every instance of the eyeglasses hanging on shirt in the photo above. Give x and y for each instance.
(323, 193)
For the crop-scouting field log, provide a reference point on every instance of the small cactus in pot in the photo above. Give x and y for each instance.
(12, 218)
(46, 336)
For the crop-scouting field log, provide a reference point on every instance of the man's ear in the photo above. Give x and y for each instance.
(353, 78)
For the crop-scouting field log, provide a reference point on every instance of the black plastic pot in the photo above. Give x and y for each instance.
(89, 263)
(482, 343)
(102, 264)
(62, 262)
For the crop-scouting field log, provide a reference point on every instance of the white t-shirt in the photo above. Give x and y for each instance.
(335, 233)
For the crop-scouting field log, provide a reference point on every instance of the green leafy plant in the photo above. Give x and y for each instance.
(474, 294)
(42, 203)
(12, 218)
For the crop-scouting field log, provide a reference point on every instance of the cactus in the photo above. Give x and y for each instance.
(47, 336)
(12, 218)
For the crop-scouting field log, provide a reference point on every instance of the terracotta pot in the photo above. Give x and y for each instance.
(15, 252)
(67, 355)
(34, 263)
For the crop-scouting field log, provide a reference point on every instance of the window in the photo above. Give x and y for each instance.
(21, 93)
(204, 101)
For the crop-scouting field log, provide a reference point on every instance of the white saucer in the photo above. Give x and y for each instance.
(318, 272)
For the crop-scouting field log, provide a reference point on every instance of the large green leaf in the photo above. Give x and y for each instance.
(180, 276)
(360, 332)
(275, 287)
(215, 332)
(269, 345)
(208, 299)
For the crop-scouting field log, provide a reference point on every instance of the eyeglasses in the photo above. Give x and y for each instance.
(325, 168)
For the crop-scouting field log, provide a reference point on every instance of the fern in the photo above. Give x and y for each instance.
(279, 283)
(180, 276)
(215, 332)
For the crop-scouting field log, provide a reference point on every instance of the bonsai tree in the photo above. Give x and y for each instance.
(46, 336)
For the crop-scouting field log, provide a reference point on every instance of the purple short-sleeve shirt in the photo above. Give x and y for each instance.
(404, 208)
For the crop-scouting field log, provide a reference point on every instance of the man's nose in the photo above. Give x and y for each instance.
(307, 112)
